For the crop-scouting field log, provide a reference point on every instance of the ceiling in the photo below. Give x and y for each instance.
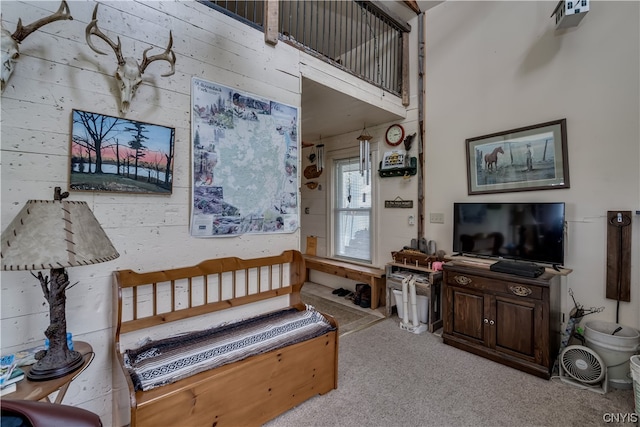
(326, 112)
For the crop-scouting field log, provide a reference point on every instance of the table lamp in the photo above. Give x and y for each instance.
(55, 234)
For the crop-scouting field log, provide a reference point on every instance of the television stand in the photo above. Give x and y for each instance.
(509, 319)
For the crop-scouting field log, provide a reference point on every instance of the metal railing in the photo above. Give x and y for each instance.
(251, 12)
(355, 36)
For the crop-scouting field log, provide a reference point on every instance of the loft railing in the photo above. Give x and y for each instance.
(355, 36)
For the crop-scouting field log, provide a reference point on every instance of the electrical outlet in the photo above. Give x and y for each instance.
(412, 220)
(436, 218)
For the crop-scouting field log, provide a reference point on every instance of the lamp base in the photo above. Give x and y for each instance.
(46, 371)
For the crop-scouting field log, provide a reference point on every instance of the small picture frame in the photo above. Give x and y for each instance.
(523, 159)
(118, 155)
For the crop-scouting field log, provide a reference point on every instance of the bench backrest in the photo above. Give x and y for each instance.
(147, 300)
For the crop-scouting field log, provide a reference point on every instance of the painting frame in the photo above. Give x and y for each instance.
(120, 155)
(524, 159)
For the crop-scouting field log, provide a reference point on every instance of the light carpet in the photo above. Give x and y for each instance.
(391, 377)
(350, 317)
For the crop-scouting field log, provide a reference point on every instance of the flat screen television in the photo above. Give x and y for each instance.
(520, 231)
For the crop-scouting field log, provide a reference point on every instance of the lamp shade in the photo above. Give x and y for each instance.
(49, 234)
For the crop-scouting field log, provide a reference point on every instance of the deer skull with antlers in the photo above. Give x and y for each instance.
(129, 72)
(9, 43)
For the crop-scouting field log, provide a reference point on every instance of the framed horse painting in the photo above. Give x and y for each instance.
(527, 158)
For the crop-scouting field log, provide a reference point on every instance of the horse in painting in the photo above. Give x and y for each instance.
(491, 159)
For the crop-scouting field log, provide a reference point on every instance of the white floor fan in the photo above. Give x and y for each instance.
(580, 366)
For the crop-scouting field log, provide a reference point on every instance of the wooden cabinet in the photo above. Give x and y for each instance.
(506, 318)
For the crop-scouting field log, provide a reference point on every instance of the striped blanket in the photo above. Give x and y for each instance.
(166, 361)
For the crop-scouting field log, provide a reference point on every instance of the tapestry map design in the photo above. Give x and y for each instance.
(244, 160)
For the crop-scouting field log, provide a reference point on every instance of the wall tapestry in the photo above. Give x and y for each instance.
(245, 160)
(113, 154)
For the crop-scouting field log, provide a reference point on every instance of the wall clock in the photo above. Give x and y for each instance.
(394, 135)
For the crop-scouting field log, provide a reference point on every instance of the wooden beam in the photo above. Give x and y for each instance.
(271, 22)
(405, 69)
(421, 135)
(413, 5)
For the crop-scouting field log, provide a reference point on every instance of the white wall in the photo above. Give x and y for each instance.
(58, 72)
(494, 66)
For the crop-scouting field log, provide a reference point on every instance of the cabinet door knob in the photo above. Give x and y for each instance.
(462, 280)
(491, 322)
(486, 320)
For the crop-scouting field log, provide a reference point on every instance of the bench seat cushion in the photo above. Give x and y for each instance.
(161, 362)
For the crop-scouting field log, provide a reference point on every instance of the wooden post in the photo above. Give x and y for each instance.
(405, 69)
(421, 59)
(271, 22)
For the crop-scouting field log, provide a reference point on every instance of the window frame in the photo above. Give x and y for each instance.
(333, 157)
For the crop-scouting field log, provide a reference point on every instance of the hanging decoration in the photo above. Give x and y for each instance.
(312, 185)
(320, 156)
(312, 156)
(365, 152)
(312, 172)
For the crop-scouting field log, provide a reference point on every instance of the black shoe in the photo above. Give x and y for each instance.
(337, 291)
(360, 286)
(362, 289)
(343, 292)
(365, 297)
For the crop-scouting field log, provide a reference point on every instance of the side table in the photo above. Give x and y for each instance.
(40, 390)
(431, 289)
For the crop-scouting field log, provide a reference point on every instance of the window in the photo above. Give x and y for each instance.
(352, 221)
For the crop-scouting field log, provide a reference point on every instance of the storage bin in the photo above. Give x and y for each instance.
(634, 361)
(614, 349)
(422, 303)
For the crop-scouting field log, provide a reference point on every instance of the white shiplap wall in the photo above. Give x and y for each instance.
(58, 72)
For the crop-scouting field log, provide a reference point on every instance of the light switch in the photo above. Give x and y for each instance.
(436, 218)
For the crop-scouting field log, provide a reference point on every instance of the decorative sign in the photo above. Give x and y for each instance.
(393, 159)
(398, 203)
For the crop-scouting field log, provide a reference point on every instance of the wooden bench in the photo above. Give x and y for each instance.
(361, 273)
(245, 392)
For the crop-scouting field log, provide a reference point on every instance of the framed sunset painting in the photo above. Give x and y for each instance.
(113, 154)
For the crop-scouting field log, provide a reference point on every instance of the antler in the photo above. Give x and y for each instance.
(167, 55)
(22, 32)
(92, 28)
